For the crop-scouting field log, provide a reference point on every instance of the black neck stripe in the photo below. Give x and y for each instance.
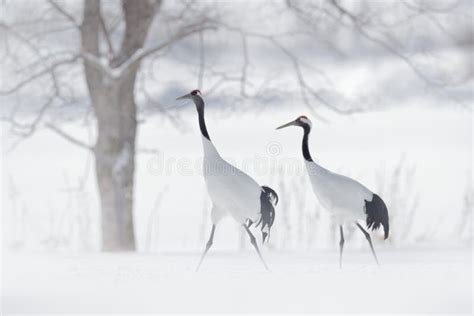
(202, 123)
(305, 147)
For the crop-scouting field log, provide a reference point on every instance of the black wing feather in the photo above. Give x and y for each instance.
(268, 201)
(377, 214)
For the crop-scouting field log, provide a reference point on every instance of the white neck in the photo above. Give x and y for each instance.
(314, 168)
(209, 150)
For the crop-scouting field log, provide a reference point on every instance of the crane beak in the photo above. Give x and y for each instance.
(286, 125)
(264, 237)
(186, 96)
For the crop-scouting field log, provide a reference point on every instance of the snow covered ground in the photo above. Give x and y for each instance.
(421, 272)
(409, 280)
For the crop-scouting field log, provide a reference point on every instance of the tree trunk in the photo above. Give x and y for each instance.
(114, 106)
(115, 164)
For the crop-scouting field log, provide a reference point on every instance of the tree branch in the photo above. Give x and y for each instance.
(189, 30)
(69, 138)
(304, 86)
(64, 13)
(138, 56)
(39, 74)
(26, 130)
(384, 45)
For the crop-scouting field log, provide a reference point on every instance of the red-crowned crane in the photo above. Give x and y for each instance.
(346, 199)
(232, 191)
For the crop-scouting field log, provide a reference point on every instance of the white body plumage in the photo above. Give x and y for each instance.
(232, 191)
(343, 197)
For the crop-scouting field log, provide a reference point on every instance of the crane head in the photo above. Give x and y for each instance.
(190, 95)
(301, 121)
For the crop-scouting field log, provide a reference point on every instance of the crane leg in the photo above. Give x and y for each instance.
(367, 236)
(341, 246)
(254, 243)
(208, 246)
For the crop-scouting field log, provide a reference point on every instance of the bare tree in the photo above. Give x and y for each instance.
(111, 51)
(106, 42)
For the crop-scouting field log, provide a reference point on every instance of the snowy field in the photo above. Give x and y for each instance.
(47, 268)
(409, 280)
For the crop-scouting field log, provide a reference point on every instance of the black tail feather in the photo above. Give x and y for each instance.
(271, 194)
(268, 201)
(377, 214)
